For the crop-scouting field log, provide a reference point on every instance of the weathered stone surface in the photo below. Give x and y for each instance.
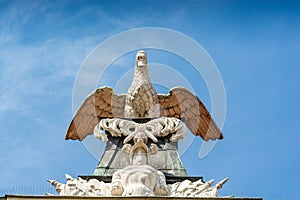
(198, 188)
(137, 180)
(136, 156)
(80, 187)
(139, 153)
(162, 130)
(142, 101)
(159, 127)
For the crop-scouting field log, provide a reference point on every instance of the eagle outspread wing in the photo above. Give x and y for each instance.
(139, 101)
(102, 103)
(183, 104)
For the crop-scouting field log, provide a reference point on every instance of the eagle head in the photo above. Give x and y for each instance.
(141, 59)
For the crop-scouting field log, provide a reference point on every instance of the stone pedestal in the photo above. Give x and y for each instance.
(140, 159)
(166, 160)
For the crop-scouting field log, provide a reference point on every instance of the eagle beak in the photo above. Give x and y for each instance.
(141, 63)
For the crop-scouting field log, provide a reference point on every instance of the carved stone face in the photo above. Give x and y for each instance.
(141, 58)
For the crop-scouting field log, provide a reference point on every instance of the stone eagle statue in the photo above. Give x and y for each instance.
(142, 101)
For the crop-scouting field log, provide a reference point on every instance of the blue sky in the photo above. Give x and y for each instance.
(255, 44)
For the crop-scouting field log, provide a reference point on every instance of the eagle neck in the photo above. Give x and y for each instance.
(142, 75)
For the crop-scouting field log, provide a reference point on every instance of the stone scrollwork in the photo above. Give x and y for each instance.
(159, 127)
(198, 188)
(80, 187)
(137, 180)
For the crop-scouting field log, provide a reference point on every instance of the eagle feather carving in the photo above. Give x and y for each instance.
(142, 101)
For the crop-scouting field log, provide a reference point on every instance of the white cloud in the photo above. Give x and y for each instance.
(14, 19)
(37, 71)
